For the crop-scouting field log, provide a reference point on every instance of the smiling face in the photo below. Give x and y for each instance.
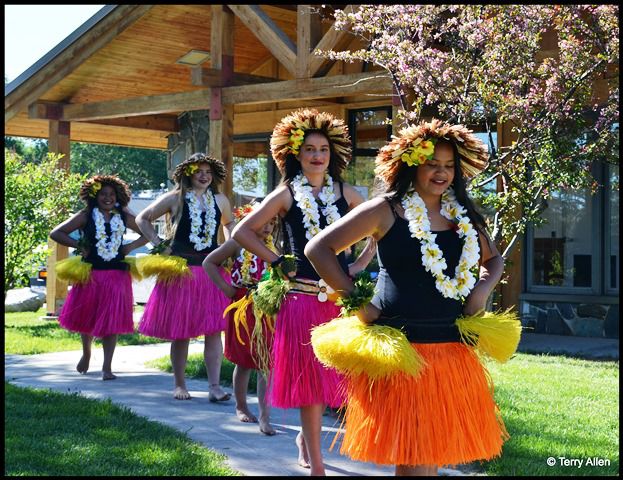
(315, 154)
(436, 175)
(106, 198)
(202, 178)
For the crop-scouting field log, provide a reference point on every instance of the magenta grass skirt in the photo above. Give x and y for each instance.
(235, 351)
(297, 378)
(100, 307)
(185, 308)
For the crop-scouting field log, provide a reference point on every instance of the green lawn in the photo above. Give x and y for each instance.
(49, 433)
(26, 334)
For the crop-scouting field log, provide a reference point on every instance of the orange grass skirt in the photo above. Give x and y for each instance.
(446, 416)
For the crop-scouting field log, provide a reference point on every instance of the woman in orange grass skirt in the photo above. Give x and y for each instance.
(431, 243)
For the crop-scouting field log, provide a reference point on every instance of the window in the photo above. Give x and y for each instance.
(369, 132)
(250, 170)
(612, 246)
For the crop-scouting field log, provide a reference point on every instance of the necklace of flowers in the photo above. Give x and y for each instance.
(249, 262)
(195, 220)
(107, 250)
(307, 203)
(432, 257)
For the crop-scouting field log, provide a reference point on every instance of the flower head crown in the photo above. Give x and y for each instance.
(191, 169)
(420, 151)
(96, 187)
(296, 139)
(243, 211)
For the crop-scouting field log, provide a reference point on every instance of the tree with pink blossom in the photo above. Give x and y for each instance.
(550, 71)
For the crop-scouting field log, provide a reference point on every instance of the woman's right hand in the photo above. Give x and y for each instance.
(368, 314)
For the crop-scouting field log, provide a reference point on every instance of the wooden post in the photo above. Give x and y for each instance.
(56, 290)
(309, 33)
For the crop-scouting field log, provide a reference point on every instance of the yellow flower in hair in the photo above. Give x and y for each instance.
(296, 139)
(96, 187)
(419, 153)
(191, 169)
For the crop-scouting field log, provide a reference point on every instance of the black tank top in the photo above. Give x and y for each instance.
(97, 262)
(406, 293)
(183, 247)
(295, 240)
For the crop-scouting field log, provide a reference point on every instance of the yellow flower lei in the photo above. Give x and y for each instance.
(191, 169)
(419, 152)
(96, 187)
(296, 139)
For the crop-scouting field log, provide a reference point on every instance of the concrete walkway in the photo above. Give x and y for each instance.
(148, 392)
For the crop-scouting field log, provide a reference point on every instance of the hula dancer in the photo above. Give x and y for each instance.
(311, 149)
(436, 265)
(185, 303)
(247, 342)
(100, 301)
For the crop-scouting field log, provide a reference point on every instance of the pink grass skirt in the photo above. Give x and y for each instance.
(100, 307)
(297, 378)
(185, 308)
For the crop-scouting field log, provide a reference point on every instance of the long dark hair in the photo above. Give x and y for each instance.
(293, 166)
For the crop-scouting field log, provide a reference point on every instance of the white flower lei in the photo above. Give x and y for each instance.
(195, 220)
(107, 250)
(432, 256)
(307, 203)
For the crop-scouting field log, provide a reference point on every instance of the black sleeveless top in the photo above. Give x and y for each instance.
(294, 232)
(183, 247)
(97, 262)
(406, 293)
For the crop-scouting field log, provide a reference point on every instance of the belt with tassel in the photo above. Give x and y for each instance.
(418, 330)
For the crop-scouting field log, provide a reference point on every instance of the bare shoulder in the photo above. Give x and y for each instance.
(352, 195)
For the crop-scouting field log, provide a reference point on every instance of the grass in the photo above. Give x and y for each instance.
(556, 407)
(49, 433)
(26, 334)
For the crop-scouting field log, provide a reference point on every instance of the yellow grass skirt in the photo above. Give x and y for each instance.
(444, 416)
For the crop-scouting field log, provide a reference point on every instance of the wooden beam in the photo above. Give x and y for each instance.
(221, 130)
(334, 39)
(267, 31)
(308, 32)
(138, 106)
(71, 57)
(310, 88)
(213, 77)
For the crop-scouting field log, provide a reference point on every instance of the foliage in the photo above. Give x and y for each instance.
(251, 174)
(549, 71)
(143, 169)
(36, 199)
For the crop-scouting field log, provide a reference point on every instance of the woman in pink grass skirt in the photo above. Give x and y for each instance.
(101, 306)
(192, 305)
(311, 149)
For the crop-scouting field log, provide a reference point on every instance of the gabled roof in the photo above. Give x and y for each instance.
(117, 81)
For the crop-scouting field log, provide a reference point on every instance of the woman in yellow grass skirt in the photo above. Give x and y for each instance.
(99, 303)
(185, 303)
(436, 264)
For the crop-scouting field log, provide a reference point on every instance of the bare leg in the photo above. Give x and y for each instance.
(303, 459)
(83, 364)
(265, 426)
(241, 386)
(311, 423)
(109, 343)
(213, 357)
(179, 356)
(416, 471)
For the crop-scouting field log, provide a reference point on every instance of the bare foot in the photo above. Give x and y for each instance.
(180, 393)
(217, 394)
(303, 455)
(266, 428)
(108, 376)
(245, 416)
(83, 364)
